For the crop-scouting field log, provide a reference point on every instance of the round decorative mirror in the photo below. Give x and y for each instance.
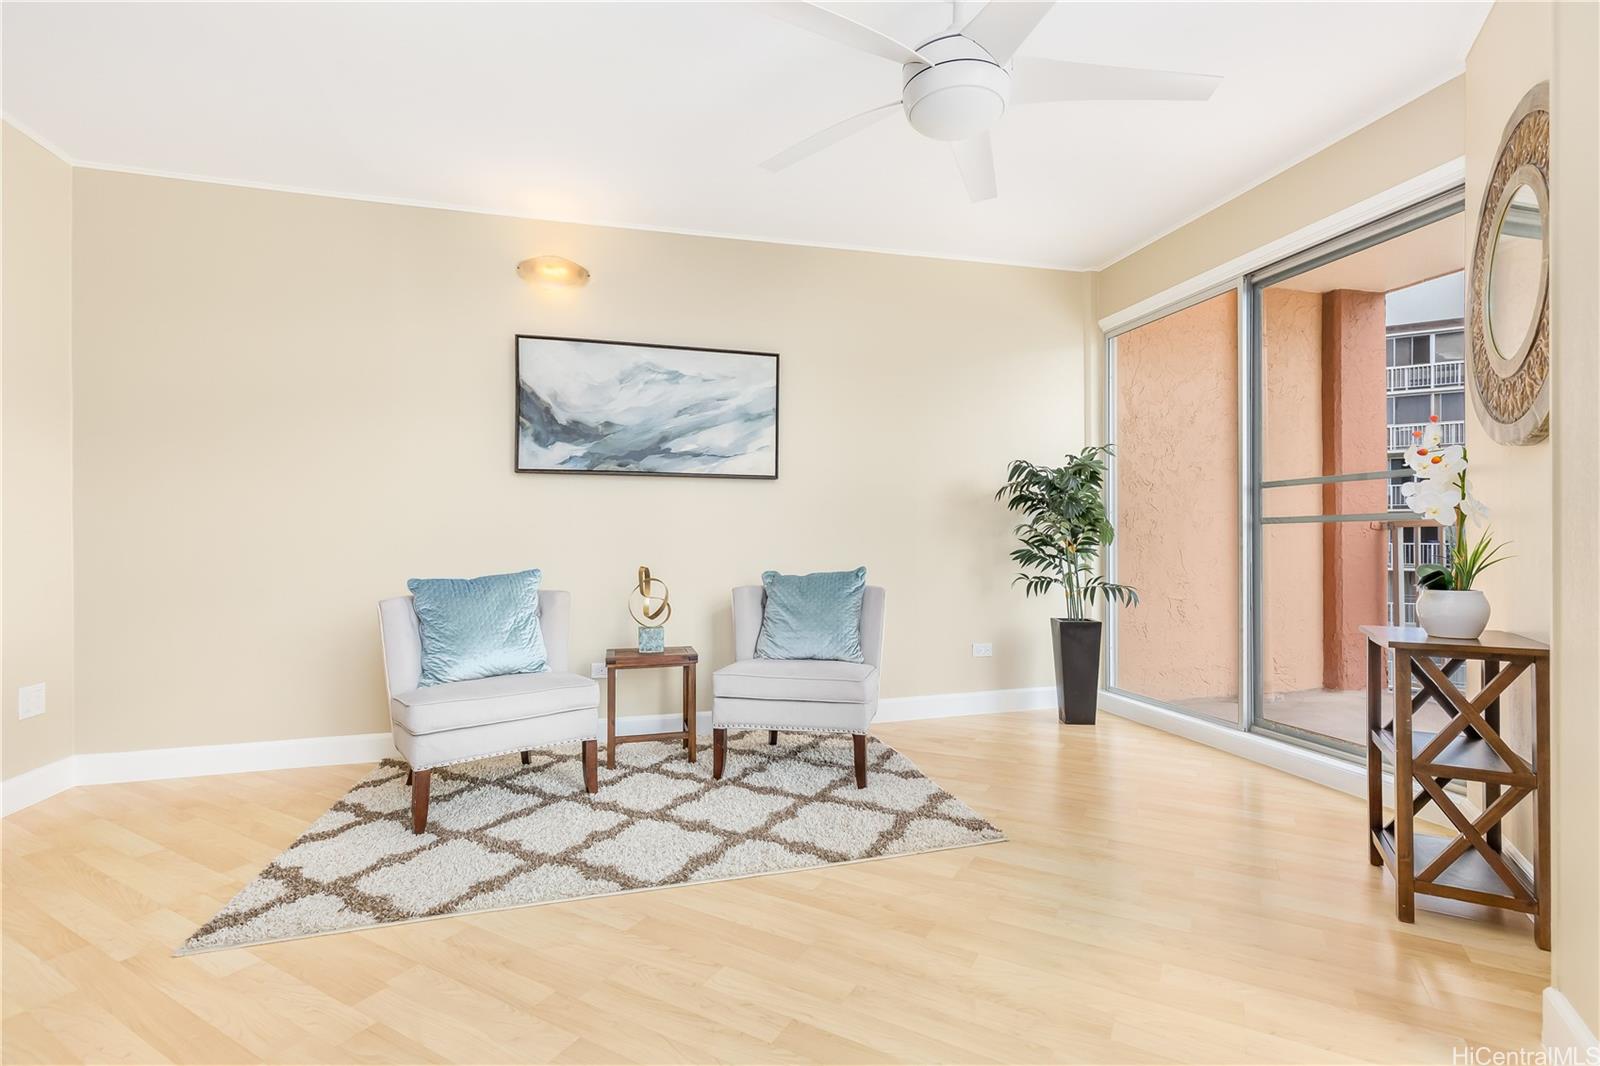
(1509, 324)
(1516, 270)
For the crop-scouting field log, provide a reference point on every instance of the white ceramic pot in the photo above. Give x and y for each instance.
(1452, 614)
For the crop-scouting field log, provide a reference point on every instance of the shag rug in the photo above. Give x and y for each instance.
(504, 835)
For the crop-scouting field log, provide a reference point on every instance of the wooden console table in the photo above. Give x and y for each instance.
(1470, 866)
(633, 659)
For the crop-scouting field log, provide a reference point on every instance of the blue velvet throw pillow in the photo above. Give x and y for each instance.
(478, 627)
(812, 616)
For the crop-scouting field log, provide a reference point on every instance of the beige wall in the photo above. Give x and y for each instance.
(1575, 433)
(1409, 141)
(36, 514)
(1511, 55)
(287, 405)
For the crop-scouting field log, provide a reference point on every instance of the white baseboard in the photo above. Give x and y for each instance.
(110, 767)
(1565, 1036)
(958, 704)
(156, 764)
(633, 724)
(41, 783)
(892, 709)
(104, 768)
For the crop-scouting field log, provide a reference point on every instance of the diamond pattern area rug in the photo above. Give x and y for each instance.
(502, 835)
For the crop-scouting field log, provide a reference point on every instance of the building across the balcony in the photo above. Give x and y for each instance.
(1426, 380)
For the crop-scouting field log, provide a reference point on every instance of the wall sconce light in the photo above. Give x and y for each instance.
(552, 270)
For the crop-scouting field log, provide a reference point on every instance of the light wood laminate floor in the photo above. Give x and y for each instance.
(1157, 901)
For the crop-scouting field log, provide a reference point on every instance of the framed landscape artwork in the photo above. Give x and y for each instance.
(611, 407)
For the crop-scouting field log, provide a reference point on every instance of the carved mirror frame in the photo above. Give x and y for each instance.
(1511, 390)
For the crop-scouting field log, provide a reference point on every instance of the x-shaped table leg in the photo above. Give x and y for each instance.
(1472, 835)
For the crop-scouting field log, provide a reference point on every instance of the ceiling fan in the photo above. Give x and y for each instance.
(956, 84)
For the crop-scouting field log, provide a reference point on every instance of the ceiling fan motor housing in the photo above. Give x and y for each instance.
(961, 95)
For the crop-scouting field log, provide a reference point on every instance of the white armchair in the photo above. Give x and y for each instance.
(806, 695)
(441, 724)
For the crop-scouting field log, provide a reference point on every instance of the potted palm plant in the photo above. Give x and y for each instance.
(1447, 604)
(1064, 529)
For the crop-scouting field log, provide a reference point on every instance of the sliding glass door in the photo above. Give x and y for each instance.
(1258, 431)
(1174, 393)
(1346, 338)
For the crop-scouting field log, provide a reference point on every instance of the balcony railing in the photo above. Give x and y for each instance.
(1413, 554)
(1423, 377)
(1401, 436)
(1410, 614)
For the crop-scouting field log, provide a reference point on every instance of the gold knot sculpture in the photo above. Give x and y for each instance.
(652, 594)
(653, 600)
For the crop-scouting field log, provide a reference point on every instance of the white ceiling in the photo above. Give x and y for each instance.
(1433, 250)
(655, 115)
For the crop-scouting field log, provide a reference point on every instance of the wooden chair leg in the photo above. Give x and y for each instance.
(419, 800)
(408, 777)
(527, 757)
(772, 736)
(861, 760)
(719, 752)
(591, 766)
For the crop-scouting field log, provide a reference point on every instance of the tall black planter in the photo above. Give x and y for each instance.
(1077, 647)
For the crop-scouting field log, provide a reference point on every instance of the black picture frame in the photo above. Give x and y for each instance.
(516, 407)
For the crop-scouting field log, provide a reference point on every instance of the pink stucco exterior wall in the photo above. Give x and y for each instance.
(1177, 508)
(1177, 503)
(1292, 555)
(1354, 437)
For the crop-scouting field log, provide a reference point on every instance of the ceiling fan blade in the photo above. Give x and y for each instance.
(1039, 81)
(842, 30)
(832, 135)
(1003, 25)
(975, 160)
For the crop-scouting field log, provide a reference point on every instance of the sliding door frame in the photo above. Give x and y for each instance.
(1396, 224)
(1246, 502)
(1248, 287)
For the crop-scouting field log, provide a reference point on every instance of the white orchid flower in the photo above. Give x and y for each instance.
(1440, 491)
(1417, 459)
(1445, 462)
(1445, 516)
(1434, 500)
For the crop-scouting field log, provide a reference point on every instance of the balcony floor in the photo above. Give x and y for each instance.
(1340, 715)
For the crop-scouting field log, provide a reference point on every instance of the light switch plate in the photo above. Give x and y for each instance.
(30, 700)
(982, 651)
(597, 671)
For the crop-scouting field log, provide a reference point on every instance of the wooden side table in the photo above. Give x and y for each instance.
(1470, 866)
(618, 659)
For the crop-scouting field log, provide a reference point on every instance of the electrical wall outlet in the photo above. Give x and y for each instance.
(30, 700)
(982, 651)
(597, 671)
